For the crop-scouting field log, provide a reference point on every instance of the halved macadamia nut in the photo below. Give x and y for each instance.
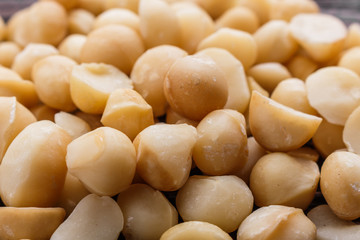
(8, 51)
(72, 45)
(334, 92)
(104, 160)
(277, 127)
(38, 152)
(80, 21)
(280, 179)
(127, 112)
(92, 83)
(195, 230)
(228, 197)
(164, 155)
(351, 133)
(221, 146)
(195, 85)
(321, 35)
(254, 86)
(147, 212)
(301, 66)
(287, 9)
(93, 218)
(350, 59)
(277, 222)
(119, 16)
(74, 125)
(340, 184)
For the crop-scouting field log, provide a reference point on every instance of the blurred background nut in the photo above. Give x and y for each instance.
(80, 21)
(351, 133)
(71, 46)
(8, 51)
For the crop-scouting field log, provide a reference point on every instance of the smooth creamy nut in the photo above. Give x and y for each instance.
(292, 93)
(260, 7)
(269, 74)
(14, 117)
(44, 112)
(164, 155)
(277, 127)
(148, 75)
(301, 66)
(321, 35)
(127, 112)
(280, 179)
(33, 52)
(32, 223)
(158, 23)
(71, 46)
(221, 200)
(51, 76)
(132, 5)
(92, 83)
(277, 222)
(215, 8)
(74, 125)
(334, 92)
(353, 36)
(195, 230)
(92, 119)
(350, 58)
(195, 86)
(238, 89)
(8, 52)
(274, 42)
(147, 212)
(254, 86)
(117, 45)
(80, 21)
(173, 117)
(239, 43)
(287, 9)
(93, 218)
(329, 226)
(103, 160)
(306, 153)
(351, 133)
(67, 4)
(240, 18)
(38, 152)
(339, 182)
(118, 16)
(221, 146)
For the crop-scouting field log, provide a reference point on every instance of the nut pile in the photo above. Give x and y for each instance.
(179, 119)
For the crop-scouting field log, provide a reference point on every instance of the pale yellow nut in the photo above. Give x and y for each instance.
(103, 160)
(74, 125)
(14, 117)
(147, 212)
(41, 159)
(127, 112)
(277, 222)
(239, 43)
(351, 133)
(94, 6)
(287, 9)
(92, 119)
(173, 117)
(12, 31)
(350, 58)
(260, 7)
(67, 4)
(301, 66)
(92, 83)
(71, 46)
(43, 112)
(148, 75)
(254, 86)
(163, 153)
(29, 223)
(306, 153)
(195, 230)
(238, 89)
(353, 36)
(93, 218)
(321, 35)
(339, 182)
(8, 52)
(334, 92)
(132, 5)
(80, 21)
(214, 7)
(277, 127)
(280, 179)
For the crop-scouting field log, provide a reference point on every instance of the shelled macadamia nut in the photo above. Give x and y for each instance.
(277, 127)
(287, 9)
(148, 75)
(321, 35)
(215, 8)
(132, 5)
(353, 36)
(14, 117)
(238, 89)
(254, 86)
(173, 117)
(221, 146)
(306, 153)
(118, 16)
(92, 83)
(339, 183)
(351, 133)
(239, 43)
(350, 58)
(29, 223)
(67, 4)
(37, 153)
(280, 179)
(274, 42)
(195, 230)
(301, 66)
(158, 23)
(147, 212)
(80, 21)
(72, 45)
(44, 112)
(94, 6)
(240, 18)
(103, 160)
(329, 226)
(164, 155)
(277, 222)
(117, 45)
(92, 119)
(195, 86)
(127, 112)
(51, 76)
(221, 200)
(93, 218)
(334, 92)
(8, 52)
(260, 7)
(74, 125)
